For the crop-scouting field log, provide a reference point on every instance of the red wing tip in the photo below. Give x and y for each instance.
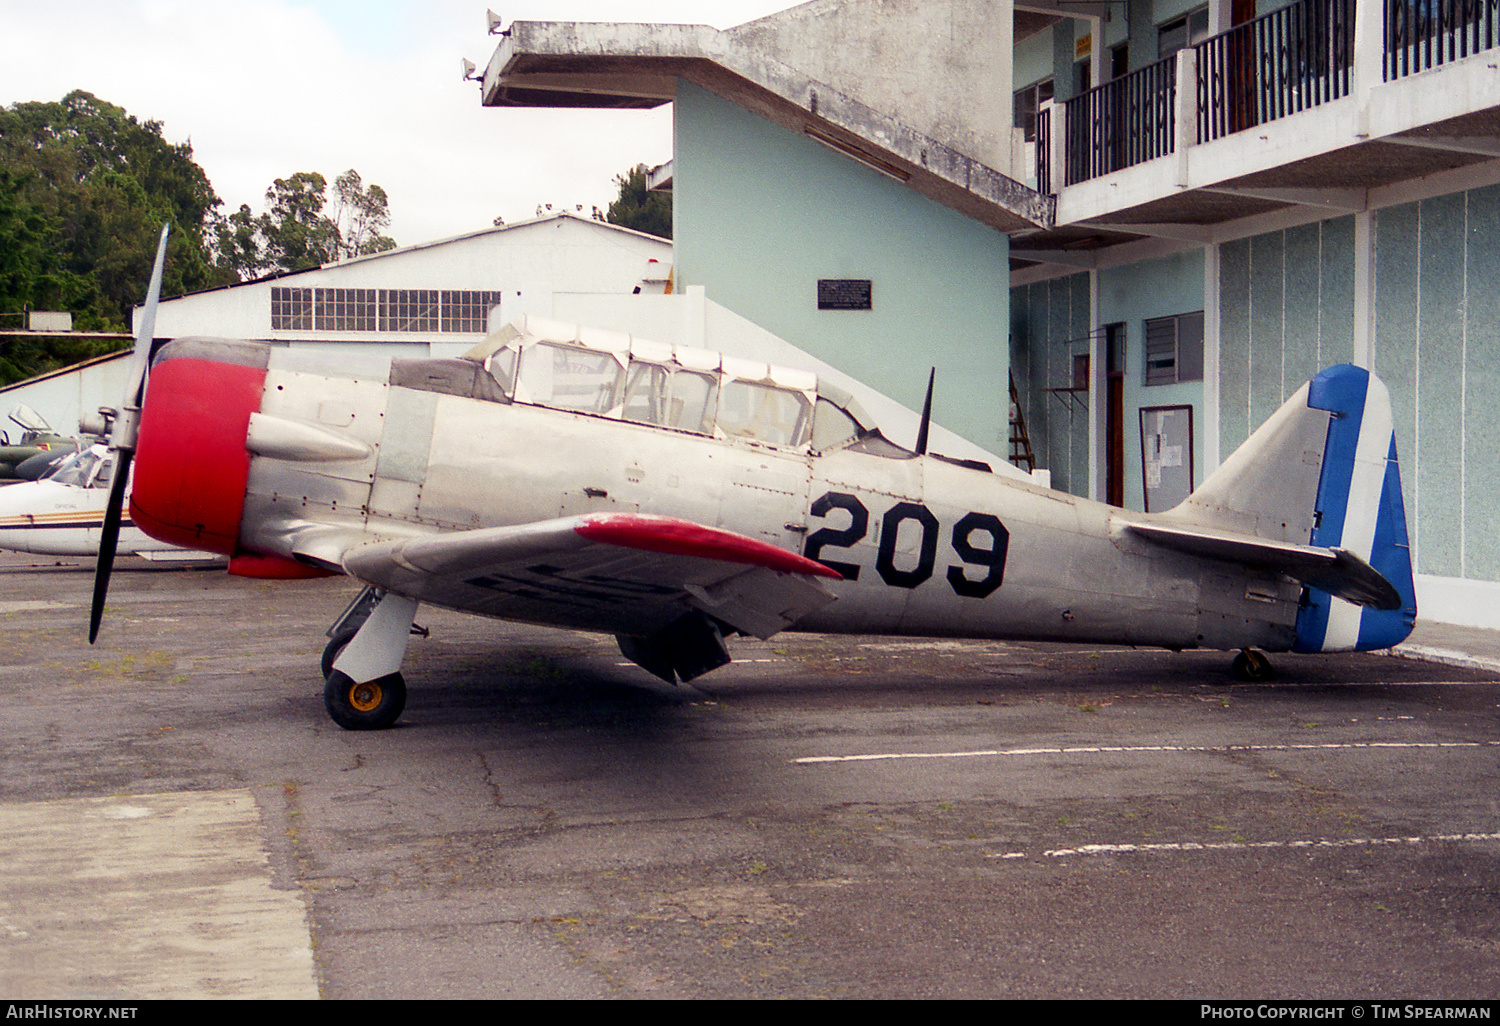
(671, 536)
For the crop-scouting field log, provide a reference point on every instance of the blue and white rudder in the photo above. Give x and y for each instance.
(1359, 509)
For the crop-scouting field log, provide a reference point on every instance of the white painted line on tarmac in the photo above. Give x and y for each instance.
(1221, 846)
(995, 753)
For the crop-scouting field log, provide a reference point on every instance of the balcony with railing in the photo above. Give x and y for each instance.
(1422, 34)
(1288, 61)
(1121, 123)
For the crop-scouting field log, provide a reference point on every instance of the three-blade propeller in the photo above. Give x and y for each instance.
(122, 439)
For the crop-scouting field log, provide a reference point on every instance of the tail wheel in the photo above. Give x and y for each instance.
(368, 705)
(1252, 666)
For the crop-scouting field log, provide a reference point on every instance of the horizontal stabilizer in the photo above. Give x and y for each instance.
(1338, 572)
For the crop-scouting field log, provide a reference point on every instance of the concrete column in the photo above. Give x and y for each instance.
(1367, 73)
(1186, 114)
(1096, 51)
(1219, 16)
(1098, 393)
(1059, 147)
(1364, 290)
(1211, 339)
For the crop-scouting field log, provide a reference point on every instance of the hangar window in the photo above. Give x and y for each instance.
(468, 311)
(1174, 349)
(408, 310)
(292, 309)
(344, 310)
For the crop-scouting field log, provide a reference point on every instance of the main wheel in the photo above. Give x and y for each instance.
(335, 648)
(372, 705)
(1252, 666)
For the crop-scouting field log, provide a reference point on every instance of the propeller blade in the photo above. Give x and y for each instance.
(122, 440)
(109, 539)
(140, 356)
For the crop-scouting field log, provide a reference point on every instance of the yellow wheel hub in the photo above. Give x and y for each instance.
(366, 697)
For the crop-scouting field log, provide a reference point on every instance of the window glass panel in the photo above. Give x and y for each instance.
(344, 310)
(1174, 349)
(408, 310)
(1028, 102)
(75, 470)
(1190, 347)
(569, 379)
(502, 367)
(468, 311)
(1161, 351)
(291, 309)
(694, 401)
(646, 394)
(763, 413)
(832, 427)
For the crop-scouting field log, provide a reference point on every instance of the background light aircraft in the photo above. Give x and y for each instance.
(63, 513)
(671, 497)
(37, 451)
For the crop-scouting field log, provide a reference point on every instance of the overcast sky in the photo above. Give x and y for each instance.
(266, 88)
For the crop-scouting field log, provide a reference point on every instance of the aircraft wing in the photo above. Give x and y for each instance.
(621, 573)
(1337, 571)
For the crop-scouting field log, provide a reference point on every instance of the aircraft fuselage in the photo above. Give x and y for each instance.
(925, 546)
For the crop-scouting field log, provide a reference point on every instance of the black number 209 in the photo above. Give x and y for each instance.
(990, 559)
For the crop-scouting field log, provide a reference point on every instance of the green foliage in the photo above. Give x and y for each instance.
(637, 208)
(295, 234)
(86, 191)
(31, 271)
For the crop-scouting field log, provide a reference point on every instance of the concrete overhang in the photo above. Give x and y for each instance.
(609, 65)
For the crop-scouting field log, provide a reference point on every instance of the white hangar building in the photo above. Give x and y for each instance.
(436, 298)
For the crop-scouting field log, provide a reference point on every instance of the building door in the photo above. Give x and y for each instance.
(1244, 111)
(1114, 422)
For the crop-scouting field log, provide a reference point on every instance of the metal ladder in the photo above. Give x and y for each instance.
(1020, 442)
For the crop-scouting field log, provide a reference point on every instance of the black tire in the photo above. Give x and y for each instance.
(1252, 667)
(335, 646)
(373, 705)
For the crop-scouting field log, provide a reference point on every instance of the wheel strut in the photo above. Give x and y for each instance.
(1252, 666)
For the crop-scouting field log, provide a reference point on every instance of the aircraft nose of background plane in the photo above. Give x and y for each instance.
(191, 466)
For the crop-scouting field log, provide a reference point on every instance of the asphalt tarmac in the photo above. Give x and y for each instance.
(826, 817)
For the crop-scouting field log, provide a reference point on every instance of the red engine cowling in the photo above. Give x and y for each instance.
(191, 466)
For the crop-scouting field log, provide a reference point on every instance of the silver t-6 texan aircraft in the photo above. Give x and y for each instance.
(672, 497)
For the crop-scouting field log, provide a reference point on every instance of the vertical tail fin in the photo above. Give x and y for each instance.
(1359, 508)
(1321, 472)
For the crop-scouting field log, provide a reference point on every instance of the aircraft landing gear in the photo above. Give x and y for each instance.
(371, 705)
(337, 642)
(363, 687)
(1252, 666)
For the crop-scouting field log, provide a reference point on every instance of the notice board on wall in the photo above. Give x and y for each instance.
(1166, 455)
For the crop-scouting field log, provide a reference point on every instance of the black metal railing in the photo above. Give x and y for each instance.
(1290, 60)
(1044, 152)
(1122, 123)
(1422, 34)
